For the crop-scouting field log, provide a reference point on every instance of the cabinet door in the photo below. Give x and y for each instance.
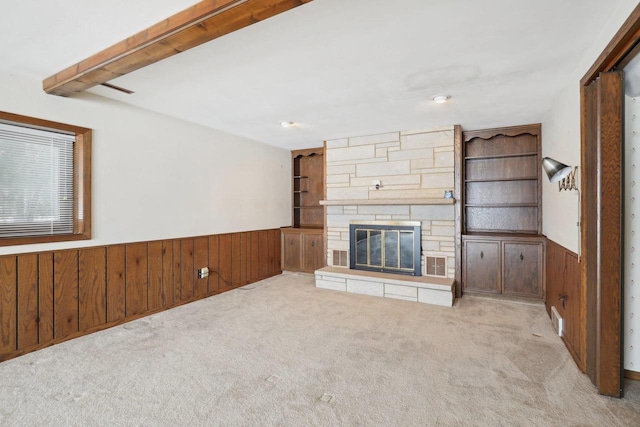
(522, 275)
(291, 251)
(313, 255)
(482, 266)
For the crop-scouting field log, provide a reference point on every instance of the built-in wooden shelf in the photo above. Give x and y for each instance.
(382, 202)
(300, 177)
(307, 207)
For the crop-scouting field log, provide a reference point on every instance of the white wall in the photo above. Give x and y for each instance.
(155, 177)
(631, 230)
(561, 137)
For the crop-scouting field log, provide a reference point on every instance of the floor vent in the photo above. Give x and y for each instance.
(556, 321)
(435, 266)
(340, 258)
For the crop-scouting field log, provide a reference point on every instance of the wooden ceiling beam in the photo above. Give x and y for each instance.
(192, 27)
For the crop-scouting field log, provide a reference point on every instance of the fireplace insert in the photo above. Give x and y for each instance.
(385, 246)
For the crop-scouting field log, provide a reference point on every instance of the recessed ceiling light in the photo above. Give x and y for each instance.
(286, 124)
(440, 99)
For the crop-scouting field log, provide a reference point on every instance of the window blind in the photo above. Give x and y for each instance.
(36, 182)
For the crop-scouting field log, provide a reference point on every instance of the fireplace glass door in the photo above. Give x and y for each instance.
(392, 247)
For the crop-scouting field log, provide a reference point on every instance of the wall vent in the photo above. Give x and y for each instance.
(340, 258)
(556, 321)
(435, 266)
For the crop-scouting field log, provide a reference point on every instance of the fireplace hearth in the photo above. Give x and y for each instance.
(385, 246)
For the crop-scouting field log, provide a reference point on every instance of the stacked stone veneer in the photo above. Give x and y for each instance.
(411, 165)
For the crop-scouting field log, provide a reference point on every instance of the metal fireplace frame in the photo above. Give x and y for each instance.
(414, 226)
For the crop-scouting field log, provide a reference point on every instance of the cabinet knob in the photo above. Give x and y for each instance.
(521, 256)
(481, 254)
(313, 243)
(291, 242)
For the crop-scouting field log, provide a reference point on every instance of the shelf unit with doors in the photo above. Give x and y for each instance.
(503, 249)
(303, 242)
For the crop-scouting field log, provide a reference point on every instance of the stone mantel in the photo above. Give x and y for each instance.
(387, 202)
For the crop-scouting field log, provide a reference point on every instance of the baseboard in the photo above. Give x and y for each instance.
(632, 375)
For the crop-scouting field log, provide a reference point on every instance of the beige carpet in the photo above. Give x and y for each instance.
(281, 352)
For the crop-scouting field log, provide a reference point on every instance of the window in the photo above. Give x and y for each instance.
(45, 181)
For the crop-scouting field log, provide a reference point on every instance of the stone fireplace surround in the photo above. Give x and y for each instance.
(414, 168)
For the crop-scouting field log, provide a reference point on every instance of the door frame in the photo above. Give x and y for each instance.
(602, 310)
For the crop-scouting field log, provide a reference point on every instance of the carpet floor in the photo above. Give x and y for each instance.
(282, 353)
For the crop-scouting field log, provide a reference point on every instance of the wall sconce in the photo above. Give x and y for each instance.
(565, 176)
(555, 170)
(558, 172)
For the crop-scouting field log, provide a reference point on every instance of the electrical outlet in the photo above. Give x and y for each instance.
(203, 272)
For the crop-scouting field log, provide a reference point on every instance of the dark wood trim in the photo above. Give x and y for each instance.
(50, 297)
(610, 232)
(589, 191)
(458, 195)
(81, 177)
(200, 23)
(620, 46)
(632, 375)
(506, 131)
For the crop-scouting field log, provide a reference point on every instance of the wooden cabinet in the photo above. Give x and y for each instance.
(312, 254)
(522, 268)
(302, 249)
(502, 212)
(501, 174)
(481, 270)
(303, 244)
(308, 187)
(508, 265)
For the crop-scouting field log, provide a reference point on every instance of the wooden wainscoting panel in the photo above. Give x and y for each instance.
(244, 258)
(50, 297)
(45, 298)
(136, 278)
(564, 284)
(177, 272)
(274, 238)
(116, 291)
(271, 261)
(27, 300)
(8, 299)
(573, 311)
(236, 259)
(65, 293)
(167, 273)
(186, 265)
(254, 255)
(155, 270)
(92, 287)
(200, 260)
(263, 237)
(224, 262)
(555, 277)
(214, 252)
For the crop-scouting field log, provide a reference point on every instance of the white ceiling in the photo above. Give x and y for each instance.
(336, 68)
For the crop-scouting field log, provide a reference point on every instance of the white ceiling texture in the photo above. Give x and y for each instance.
(336, 68)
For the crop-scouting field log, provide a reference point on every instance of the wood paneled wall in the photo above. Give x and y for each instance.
(50, 297)
(563, 283)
